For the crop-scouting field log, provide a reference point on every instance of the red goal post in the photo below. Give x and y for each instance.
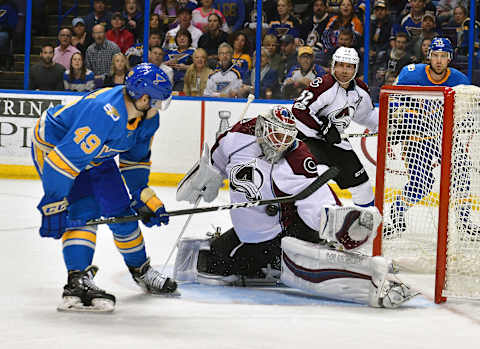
(428, 185)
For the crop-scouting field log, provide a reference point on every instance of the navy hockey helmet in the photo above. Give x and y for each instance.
(441, 44)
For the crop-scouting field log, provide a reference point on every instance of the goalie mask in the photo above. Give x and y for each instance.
(275, 131)
(345, 55)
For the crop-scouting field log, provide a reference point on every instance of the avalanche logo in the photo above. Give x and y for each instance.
(343, 117)
(247, 179)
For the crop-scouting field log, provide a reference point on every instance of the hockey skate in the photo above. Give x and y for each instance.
(387, 291)
(151, 281)
(81, 294)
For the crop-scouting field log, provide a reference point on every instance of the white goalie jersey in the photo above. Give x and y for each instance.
(237, 155)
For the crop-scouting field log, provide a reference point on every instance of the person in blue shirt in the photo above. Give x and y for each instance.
(234, 12)
(74, 147)
(420, 168)
(179, 59)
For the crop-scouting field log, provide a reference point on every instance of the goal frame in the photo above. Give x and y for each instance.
(445, 170)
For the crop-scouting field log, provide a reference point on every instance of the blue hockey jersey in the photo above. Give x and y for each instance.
(84, 133)
(419, 74)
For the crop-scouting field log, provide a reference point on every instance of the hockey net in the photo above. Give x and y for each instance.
(428, 184)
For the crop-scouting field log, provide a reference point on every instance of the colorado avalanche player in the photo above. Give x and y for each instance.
(73, 149)
(263, 160)
(325, 109)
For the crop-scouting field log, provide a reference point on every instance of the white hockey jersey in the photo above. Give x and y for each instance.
(325, 97)
(237, 155)
(221, 82)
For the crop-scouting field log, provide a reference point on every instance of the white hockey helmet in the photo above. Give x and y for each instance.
(345, 55)
(275, 130)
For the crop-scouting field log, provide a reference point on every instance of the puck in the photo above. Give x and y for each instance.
(271, 210)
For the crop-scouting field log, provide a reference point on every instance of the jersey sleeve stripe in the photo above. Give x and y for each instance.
(58, 162)
(39, 127)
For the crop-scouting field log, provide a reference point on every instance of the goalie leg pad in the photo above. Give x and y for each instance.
(351, 226)
(185, 268)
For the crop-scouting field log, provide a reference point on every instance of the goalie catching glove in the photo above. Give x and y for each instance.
(149, 207)
(203, 180)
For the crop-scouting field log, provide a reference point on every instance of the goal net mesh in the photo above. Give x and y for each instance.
(412, 186)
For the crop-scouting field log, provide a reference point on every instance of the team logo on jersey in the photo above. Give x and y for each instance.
(111, 111)
(342, 117)
(246, 178)
(309, 165)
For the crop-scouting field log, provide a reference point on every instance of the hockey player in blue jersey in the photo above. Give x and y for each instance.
(73, 149)
(420, 168)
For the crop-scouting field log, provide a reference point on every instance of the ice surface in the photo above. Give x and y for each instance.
(33, 274)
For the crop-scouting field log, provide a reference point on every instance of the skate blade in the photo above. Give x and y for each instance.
(74, 304)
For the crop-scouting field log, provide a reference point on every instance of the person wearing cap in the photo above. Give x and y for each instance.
(184, 18)
(119, 34)
(428, 32)
(301, 74)
(325, 109)
(98, 16)
(64, 52)
(80, 39)
(289, 52)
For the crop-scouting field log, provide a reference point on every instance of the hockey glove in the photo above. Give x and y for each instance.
(54, 218)
(328, 132)
(149, 207)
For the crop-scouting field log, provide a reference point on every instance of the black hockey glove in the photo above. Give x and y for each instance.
(328, 132)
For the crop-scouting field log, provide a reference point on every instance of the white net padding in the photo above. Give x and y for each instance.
(412, 186)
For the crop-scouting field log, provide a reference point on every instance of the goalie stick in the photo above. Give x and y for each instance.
(313, 187)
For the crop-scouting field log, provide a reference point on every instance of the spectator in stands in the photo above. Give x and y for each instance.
(184, 17)
(333, 7)
(118, 70)
(300, 76)
(268, 78)
(8, 23)
(119, 34)
(135, 53)
(460, 14)
(288, 50)
(225, 81)
(445, 10)
(63, 52)
(155, 56)
(397, 57)
(234, 12)
(314, 26)
(155, 23)
(134, 19)
(167, 12)
(412, 22)
(390, 78)
(213, 37)
(200, 16)
(285, 22)
(181, 58)
(80, 39)
(46, 74)
(98, 16)
(197, 74)
(189, 5)
(78, 78)
(463, 36)
(380, 32)
(241, 55)
(428, 32)
(250, 26)
(423, 58)
(99, 54)
(346, 19)
(270, 42)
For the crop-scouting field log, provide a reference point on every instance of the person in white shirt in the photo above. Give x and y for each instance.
(184, 18)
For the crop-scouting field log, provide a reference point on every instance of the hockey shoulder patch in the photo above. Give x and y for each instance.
(301, 161)
(246, 126)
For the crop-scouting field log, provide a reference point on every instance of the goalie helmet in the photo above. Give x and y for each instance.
(345, 55)
(441, 44)
(148, 79)
(275, 131)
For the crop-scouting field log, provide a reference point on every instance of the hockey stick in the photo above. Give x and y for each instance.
(321, 180)
(250, 99)
(355, 135)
